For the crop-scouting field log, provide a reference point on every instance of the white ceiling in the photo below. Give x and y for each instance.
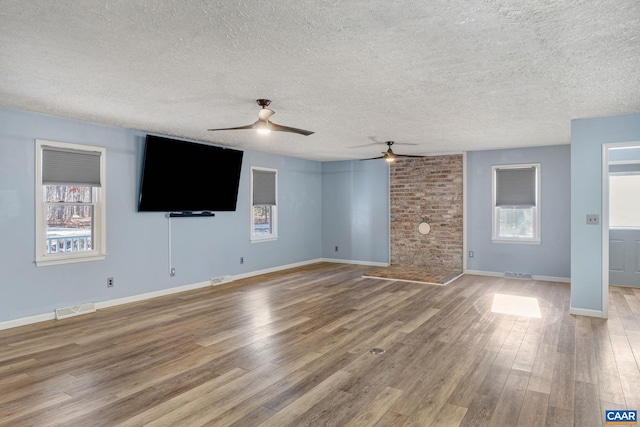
(446, 75)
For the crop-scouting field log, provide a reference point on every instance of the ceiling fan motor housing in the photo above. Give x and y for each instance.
(263, 102)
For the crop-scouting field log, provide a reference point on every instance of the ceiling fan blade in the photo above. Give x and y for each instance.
(407, 155)
(373, 158)
(365, 145)
(279, 128)
(251, 126)
(377, 141)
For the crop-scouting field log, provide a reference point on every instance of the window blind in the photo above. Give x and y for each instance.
(68, 167)
(264, 187)
(516, 187)
(629, 168)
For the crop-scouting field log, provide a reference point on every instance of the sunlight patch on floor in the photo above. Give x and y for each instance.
(520, 306)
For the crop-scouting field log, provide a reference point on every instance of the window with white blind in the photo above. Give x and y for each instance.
(516, 203)
(70, 203)
(264, 210)
(624, 203)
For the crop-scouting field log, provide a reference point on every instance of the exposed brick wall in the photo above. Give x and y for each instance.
(427, 189)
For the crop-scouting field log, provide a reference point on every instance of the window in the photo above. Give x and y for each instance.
(70, 203)
(624, 205)
(264, 211)
(516, 203)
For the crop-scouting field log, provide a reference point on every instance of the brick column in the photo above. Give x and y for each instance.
(427, 189)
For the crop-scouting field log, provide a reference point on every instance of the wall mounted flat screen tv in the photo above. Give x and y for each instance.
(181, 176)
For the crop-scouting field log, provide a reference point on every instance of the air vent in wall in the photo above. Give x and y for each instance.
(76, 310)
(220, 280)
(523, 276)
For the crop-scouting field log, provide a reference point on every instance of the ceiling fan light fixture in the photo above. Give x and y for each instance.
(389, 155)
(262, 127)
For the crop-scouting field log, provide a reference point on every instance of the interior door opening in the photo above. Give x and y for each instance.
(620, 217)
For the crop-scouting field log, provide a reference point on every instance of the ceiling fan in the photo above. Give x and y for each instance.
(389, 155)
(377, 141)
(263, 125)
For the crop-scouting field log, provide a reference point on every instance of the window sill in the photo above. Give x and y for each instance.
(517, 241)
(263, 239)
(69, 259)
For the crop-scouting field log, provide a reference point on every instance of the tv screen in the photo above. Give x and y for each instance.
(181, 176)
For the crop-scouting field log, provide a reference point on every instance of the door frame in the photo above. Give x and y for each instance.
(605, 219)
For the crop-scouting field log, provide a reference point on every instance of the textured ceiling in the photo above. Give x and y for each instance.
(439, 76)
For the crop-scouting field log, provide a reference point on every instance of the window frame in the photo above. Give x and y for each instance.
(274, 210)
(99, 251)
(536, 211)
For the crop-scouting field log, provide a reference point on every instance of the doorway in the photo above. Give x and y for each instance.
(620, 217)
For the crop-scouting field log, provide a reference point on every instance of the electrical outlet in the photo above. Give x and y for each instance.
(241, 260)
(172, 272)
(593, 219)
(109, 282)
(335, 249)
(470, 254)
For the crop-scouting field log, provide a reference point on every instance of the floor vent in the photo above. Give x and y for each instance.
(76, 310)
(523, 276)
(220, 280)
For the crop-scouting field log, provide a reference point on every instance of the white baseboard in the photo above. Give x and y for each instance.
(141, 297)
(534, 277)
(483, 273)
(586, 312)
(356, 262)
(149, 295)
(274, 269)
(27, 320)
(552, 279)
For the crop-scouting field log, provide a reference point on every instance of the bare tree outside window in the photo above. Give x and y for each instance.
(69, 214)
(262, 223)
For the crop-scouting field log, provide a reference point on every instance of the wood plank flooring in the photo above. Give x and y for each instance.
(292, 349)
(425, 275)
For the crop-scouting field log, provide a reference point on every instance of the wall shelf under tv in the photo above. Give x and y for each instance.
(190, 214)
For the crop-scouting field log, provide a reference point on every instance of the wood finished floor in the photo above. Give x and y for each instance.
(423, 275)
(292, 348)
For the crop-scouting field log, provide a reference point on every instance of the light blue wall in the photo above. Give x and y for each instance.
(352, 213)
(355, 210)
(137, 243)
(552, 256)
(587, 138)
